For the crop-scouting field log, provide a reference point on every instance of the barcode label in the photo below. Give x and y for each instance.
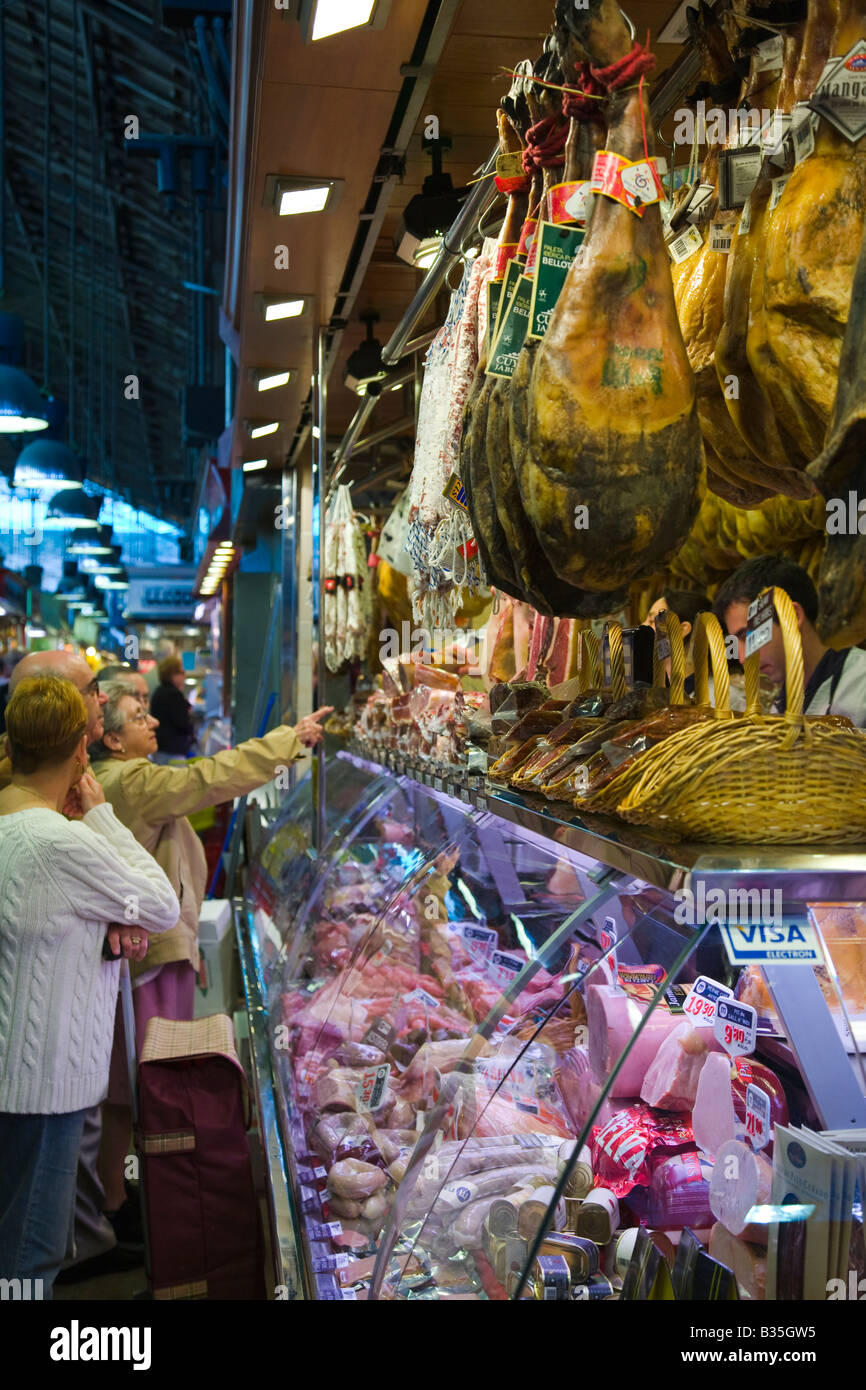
(685, 246)
(721, 237)
(779, 186)
(803, 134)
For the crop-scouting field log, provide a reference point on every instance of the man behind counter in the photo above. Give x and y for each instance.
(835, 681)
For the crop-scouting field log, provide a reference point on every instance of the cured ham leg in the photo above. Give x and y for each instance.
(812, 255)
(612, 420)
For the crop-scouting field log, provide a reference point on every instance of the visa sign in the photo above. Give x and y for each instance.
(793, 941)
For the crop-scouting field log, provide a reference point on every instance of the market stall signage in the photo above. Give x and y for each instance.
(793, 942)
(736, 1027)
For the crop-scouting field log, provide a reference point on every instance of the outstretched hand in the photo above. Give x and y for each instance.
(309, 730)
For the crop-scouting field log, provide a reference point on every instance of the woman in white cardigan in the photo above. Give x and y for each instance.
(65, 888)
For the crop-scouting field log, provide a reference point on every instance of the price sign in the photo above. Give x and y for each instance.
(736, 1027)
(702, 998)
(323, 1264)
(371, 1087)
(480, 941)
(319, 1231)
(504, 968)
(437, 784)
(757, 1116)
(760, 629)
(420, 996)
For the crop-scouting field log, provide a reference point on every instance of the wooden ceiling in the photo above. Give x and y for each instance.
(324, 109)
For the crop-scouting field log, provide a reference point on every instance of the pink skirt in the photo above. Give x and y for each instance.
(170, 994)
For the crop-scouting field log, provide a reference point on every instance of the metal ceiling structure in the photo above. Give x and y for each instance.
(95, 258)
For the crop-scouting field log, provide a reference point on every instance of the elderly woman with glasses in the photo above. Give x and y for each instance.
(153, 801)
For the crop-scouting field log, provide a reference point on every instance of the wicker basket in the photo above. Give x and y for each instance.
(754, 779)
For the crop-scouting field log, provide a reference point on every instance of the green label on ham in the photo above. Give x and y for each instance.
(494, 296)
(513, 273)
(515, 323)
(557, 248)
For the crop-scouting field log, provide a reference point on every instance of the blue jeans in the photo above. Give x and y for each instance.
(38, 1163)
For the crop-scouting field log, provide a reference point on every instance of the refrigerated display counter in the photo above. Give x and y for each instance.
(506, 1054)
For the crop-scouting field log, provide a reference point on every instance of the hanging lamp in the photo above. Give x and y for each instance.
(69, 511)
(48, 465)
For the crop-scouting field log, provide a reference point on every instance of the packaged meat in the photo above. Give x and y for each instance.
(612, 1018)
(622, 1148)
(354, 1180)
(741, 1180)
(679, 1191)
(671, 1081)
(748, 1262)
(581, 1092)
(512, 759)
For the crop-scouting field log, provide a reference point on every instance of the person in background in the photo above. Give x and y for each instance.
(63, 883)
(172, 710)
(164, 647)
(687, 606)
(133, 680)
(835, 680)
(154, 800)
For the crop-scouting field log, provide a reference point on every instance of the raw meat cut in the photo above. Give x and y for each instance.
(613, 1017)
(746, 1262)
(671, 1081)
(741, 1180)
(812, 256)
(613, 421)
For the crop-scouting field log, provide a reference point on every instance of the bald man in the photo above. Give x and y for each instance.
(96, 1249)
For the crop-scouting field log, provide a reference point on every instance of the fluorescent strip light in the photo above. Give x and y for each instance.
(261, 430)
(335, 16)
(294, 201)
(252, 464)
(284, 309)
(268, 383)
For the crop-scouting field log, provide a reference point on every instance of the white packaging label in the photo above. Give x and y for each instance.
(721, 237)
(746, 220)
(773, 134)
(760, 629)
(779, 186)
(841, 94)
(736, 1027)
(769, 54)
(757, 1116)
(683, 247)
(701, 1001)
(697, 203)
(420, 996)
(803, 133)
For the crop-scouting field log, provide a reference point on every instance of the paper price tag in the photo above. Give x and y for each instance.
(504, 968)
(325, 1231)
(371, 1087)
(769, 55)
(663, 647)
(721, 237)
(324, 1264)
(736, 1027)
(757, 1116)
(803, 133)
(702, 999)
(480, 941)
(779, 186)
(420, 996)
(682, 248)
(760, 629)
(841, 94)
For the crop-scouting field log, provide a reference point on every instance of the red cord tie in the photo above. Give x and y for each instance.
(626, 70)
(545, 144)
(584, 104)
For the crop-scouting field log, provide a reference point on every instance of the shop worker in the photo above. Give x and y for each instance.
(835, 681)
(153, 801)
(63, 884)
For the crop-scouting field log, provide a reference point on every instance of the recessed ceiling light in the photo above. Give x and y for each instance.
(290, 197)
(268, 383)
(322, 18)
(259, 431)
(275, 308)
(253, 464)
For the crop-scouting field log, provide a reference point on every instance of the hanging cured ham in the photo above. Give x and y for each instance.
(812, 254)
(613, 422)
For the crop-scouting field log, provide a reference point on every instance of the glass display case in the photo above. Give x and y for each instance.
(515, 1056)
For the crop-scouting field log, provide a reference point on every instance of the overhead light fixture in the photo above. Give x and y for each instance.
(274, 307)
(259, 431)
(85, 542)
(364, 367)
(269, 383)
(426, 252)
(290, 197)
(320, 19)
(48, 465)
(252, 464)
(108, 564)
(71, 511)
(112, 581)
(431, 212)
(22, 406)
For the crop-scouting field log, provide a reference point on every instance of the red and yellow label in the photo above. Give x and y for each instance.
(527, 236)
(636, 185)
(569, 203)
(505, 252)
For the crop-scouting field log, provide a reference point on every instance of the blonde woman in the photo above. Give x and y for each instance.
(154, 800)
(62, 885)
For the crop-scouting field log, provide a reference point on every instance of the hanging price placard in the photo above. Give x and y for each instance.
(736, 1027)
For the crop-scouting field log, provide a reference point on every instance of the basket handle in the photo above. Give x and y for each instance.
(710, 643)
(794, 682)
(618, 684)
(672, 630)
(592, 650)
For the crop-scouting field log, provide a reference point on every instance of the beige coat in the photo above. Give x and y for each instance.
(153, 801)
